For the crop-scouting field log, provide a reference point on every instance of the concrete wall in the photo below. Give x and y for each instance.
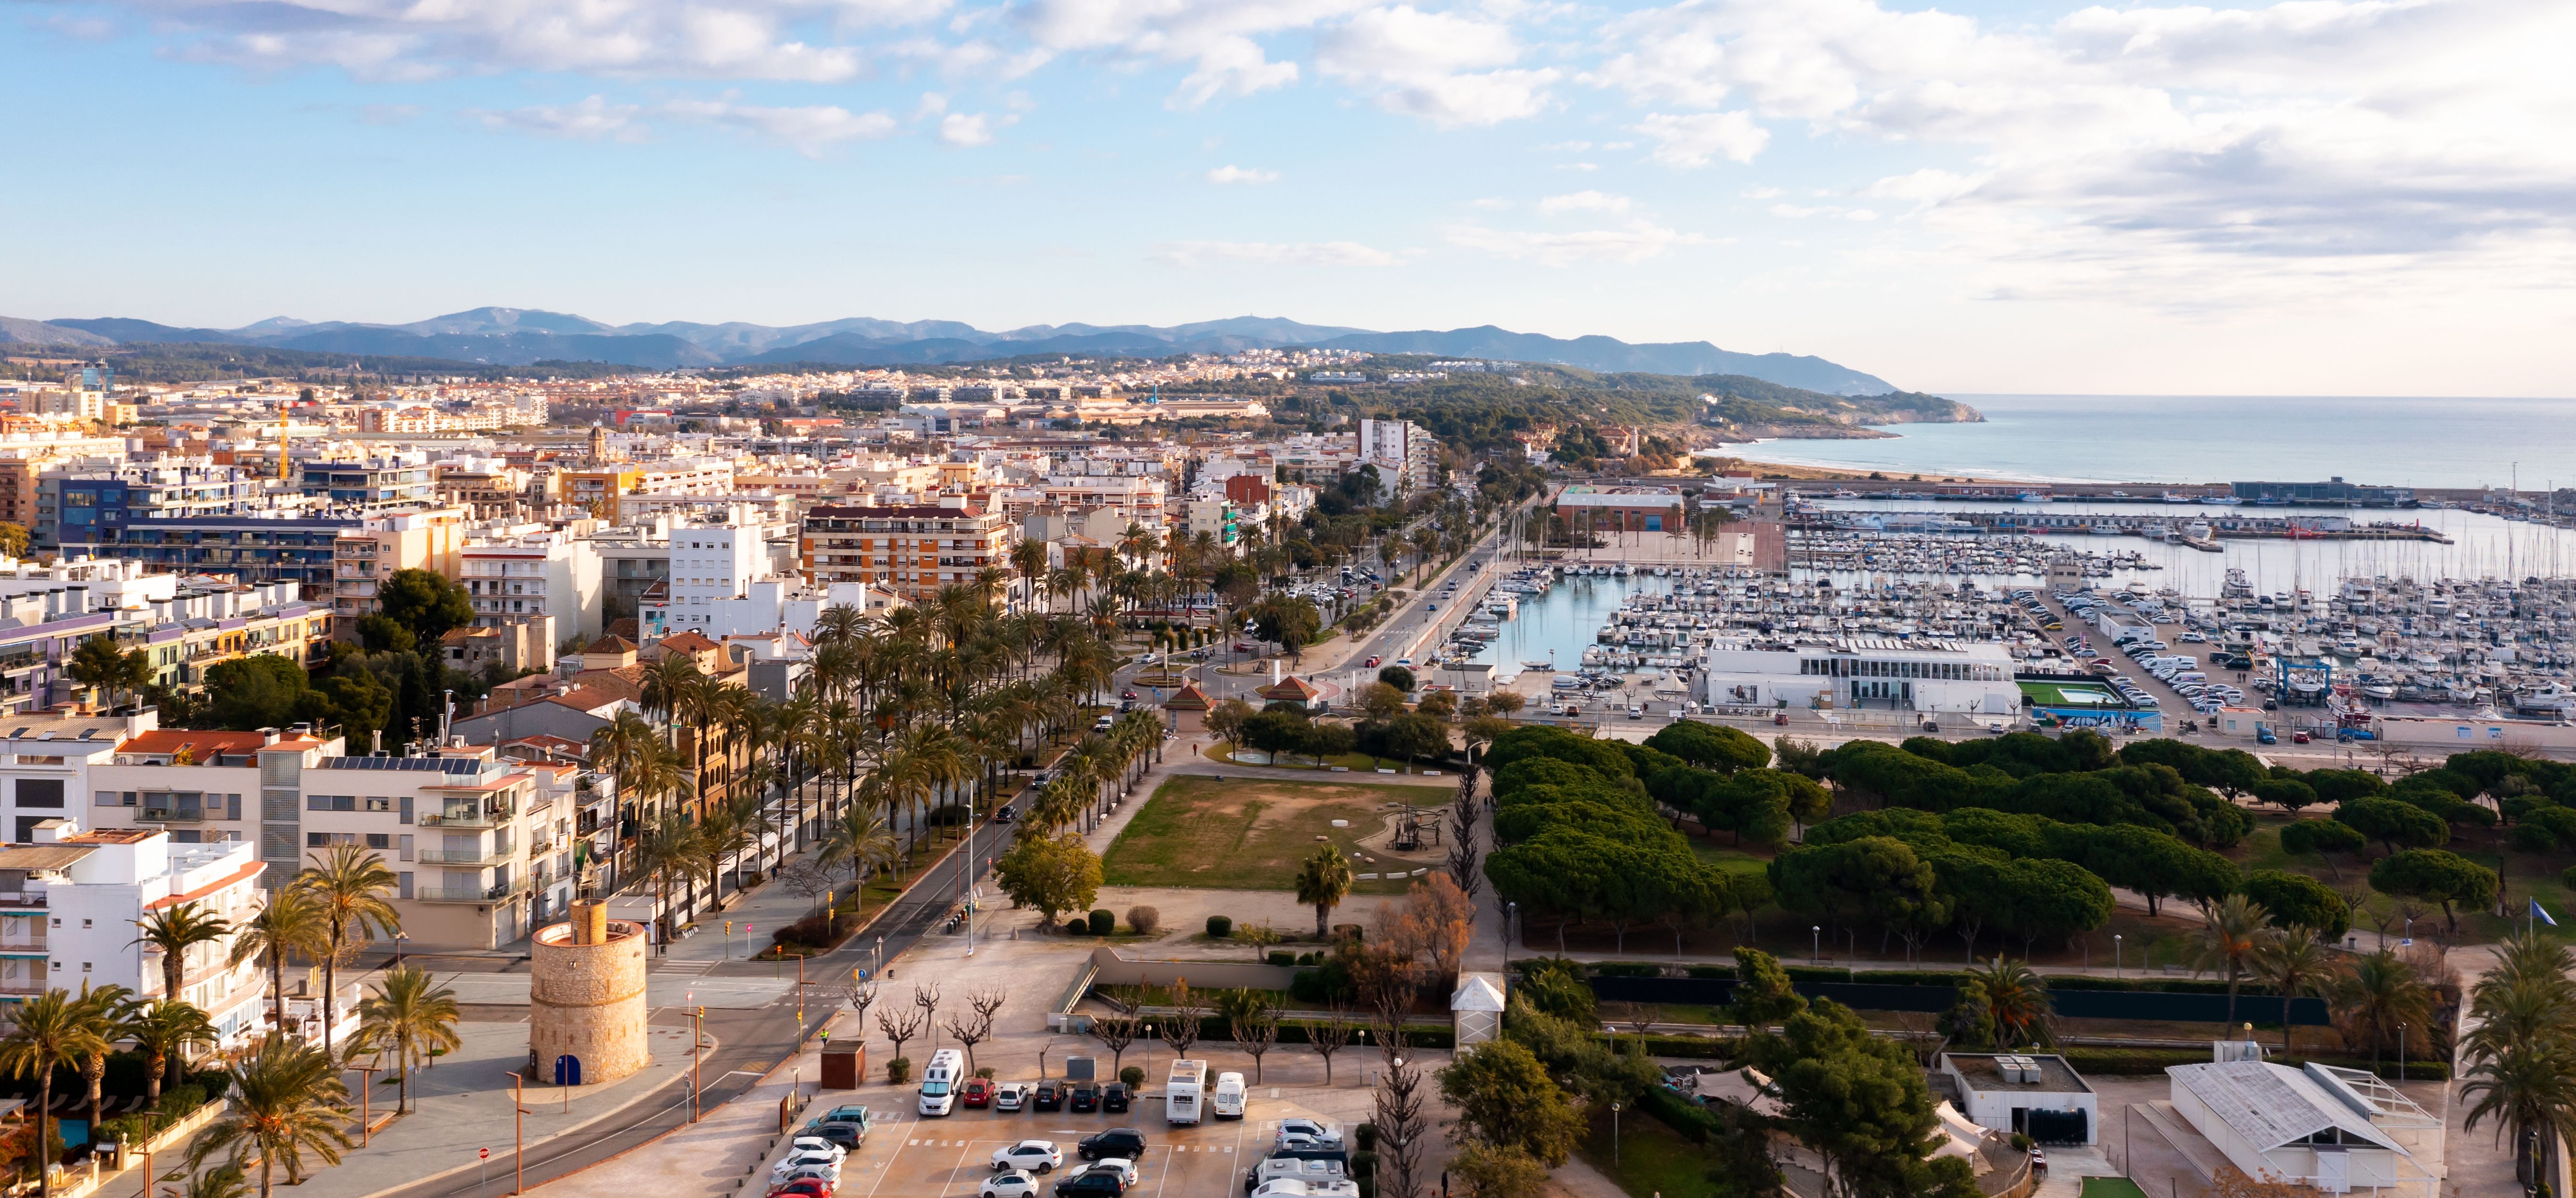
(587, 1001)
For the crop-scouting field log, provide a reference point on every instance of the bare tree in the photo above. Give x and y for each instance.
(802, 876)
(1463, 855)
(927, 998)
(1638, 1015)
(1189, 1011)
(862, 995)
(1400, 1128)
(970, 1031)
(1330, 1035)
(899, 1030)
(987, 1003)
(1253, 1020)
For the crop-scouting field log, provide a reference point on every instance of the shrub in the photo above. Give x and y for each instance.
(1310, 958)
(986, 1073)
(1133, 1076)
(1103, 923)
(1144, 920)
(1077, 926)
(1220, 927)
(1281, 956)
(1364, 1137)
(899, 1071)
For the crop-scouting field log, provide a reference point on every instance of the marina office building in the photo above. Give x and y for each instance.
(1927, 675)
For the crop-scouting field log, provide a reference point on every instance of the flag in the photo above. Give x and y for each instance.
(2542, 915)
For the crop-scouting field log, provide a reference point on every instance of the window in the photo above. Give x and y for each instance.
(379, 840)
(40, 792)
(379, 803)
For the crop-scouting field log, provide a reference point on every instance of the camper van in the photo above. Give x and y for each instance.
(1183, 1090)
(939, 1081)
(1227, 1101)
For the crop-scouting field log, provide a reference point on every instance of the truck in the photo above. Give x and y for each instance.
(1183, 1092)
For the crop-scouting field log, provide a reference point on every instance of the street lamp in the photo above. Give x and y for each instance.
(1511, 915)
(399, 937)
(2115, 954)
(1816, 944)
(1614, 1135)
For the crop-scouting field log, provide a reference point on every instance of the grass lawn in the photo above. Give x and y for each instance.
(1650, 1158)
(2111, 1187)
(1250, 833)
(2051, 694)
(1730, 860)
(1357, 763)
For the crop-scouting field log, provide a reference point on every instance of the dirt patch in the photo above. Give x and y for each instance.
(1246, 834)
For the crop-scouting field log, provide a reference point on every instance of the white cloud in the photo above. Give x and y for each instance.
(966, 129)
(808, 130)
(1584, 201)
(1313, 253)
(1636, 241)
(1236, 174)
(1444, 68)
(593, 119)
(1693, 139)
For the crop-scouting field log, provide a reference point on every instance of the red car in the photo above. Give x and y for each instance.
(1371, 663)
(804, 1187)
(976, 1092)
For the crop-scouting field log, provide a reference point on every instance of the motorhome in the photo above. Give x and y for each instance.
(939, 1081)
(1183, 1090)
(1227, 1101)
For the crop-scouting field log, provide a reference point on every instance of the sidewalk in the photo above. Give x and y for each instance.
(462, 1105)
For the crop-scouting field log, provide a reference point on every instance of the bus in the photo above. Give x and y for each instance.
(1183, 1090)
(939, 1081)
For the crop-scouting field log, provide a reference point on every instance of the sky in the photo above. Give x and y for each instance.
(2319, 197)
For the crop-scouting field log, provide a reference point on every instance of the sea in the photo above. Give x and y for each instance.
(2398, 442)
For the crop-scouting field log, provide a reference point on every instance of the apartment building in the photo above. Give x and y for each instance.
(386, 481)
(268, 545)
(712, 563)
(531, 571)
(488, 489)
(1402, 451)
(26, 456)
(910, 551)
(603, 489)
(201, 626)
(82, 510)
(70, 901)
(366, 556)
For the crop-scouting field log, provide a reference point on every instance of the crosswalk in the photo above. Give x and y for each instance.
(668, 965)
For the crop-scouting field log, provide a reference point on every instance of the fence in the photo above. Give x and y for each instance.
(2160, 1005)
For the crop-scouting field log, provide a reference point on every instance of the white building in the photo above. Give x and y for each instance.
(711, 563)
(1924, 674)
(70, 902)
(525, 572)
(2338, 1130)
(1402, 452)
(2001, 1091)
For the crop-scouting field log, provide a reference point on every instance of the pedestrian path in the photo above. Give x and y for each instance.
(662, 988)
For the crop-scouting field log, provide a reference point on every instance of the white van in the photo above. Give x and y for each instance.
(1290, 1187)
(939, 1081)
(1227, 1101)
(1182, 1091)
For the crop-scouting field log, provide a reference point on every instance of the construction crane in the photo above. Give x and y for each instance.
(282, 419)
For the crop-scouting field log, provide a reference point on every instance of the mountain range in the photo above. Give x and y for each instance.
(518, 336)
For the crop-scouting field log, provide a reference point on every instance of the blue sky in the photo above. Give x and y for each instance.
(2365, 197)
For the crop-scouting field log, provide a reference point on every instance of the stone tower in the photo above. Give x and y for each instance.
(586, 1007)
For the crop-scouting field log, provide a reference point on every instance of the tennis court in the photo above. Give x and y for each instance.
(2071, 694)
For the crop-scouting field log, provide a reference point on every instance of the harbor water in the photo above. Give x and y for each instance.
(1562, 623)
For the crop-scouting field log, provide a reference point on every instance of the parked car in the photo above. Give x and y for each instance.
(841, 1133)
(976, 1092)
(1124, 1141)
(1117, 1166)
(1114, 1097)
(818, 1144)
(810, 1187)
(1371, 663)
(1009, 1184)
(1036, 1156)
(1010, 1096)
(1049, 1096)
(1086, 1097)
(1088, 1185)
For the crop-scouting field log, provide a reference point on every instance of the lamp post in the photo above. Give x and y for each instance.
(399, 937)
(1511, 914)
(1614, 1135)
(1816, 944)
(2115, 954)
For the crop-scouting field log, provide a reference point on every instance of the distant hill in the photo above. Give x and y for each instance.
(518, 336)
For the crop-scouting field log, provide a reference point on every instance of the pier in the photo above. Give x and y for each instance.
(2159, 526)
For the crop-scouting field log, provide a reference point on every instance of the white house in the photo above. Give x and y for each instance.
(2339, 1130)
(69, 903)
(2004, 1091)
(1925, 674)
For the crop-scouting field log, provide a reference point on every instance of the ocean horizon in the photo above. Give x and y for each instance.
(2404, 441)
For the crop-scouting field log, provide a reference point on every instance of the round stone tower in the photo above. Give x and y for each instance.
(586, 999)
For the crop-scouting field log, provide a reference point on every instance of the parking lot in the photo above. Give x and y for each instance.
(908, 1155)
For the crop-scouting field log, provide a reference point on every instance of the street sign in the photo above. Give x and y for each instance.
(486, 1154)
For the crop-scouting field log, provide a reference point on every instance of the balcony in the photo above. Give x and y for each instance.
(474, 857)
(472, 894)
(173, 815)
(464, 817)
(24, 944)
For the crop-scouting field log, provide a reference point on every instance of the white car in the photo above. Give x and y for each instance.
(1309, 1130)
(1037, 1156)
(806, 1158)
(827, 1173)
(803, 1144)
(1124, 1169)
(1010, 1096)
(1011, 1184)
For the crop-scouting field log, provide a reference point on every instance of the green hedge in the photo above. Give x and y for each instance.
(1694, 1048)
(1626, 969)
(1692, 1120)
(2136, 1061)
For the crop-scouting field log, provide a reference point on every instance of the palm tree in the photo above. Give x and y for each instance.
(2019, 1000)
(171, 931)
(1322, 883)
(665, 681)
(104, 1008)
(223, 1181)
(287, 1100)
(350, 886)
(164, 1030)
(665, 849)
(2522, 1053)
(46, 1033)
(411, 1017)
(859, 842)
(2293, 964)
(2379, 994)
(291, 923)
(2229, 933)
